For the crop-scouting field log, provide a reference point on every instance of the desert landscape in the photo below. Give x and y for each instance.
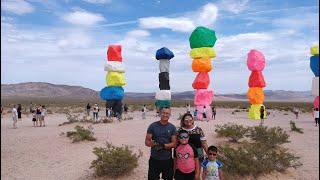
(45, 153)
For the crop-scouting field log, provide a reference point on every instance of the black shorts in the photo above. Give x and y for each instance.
(34, 119)
(184, 176)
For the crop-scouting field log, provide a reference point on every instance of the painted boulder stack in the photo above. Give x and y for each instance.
(113, 93)
(256, 64)
(201, 41)
(163, 96)
(314, 65)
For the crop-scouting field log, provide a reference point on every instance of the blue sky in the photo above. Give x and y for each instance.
(65, 41)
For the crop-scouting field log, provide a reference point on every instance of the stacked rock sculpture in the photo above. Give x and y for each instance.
(201, 41)
(314, 65)
(256, 63)
(163, 96)
(113, 93)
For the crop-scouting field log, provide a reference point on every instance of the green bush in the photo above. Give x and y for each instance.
(232, 131)
(271, 137)
(114, 161)
(255, 159)
(81, 134)
(295, 128)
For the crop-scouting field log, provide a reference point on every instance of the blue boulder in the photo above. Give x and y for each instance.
(314, 65)
(112, 93)
(164, 53)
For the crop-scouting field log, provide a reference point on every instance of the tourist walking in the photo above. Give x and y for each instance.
(43, 115)
(14, 116)
(88, 109)
(144, 111)
(19, 109)
(95, 112)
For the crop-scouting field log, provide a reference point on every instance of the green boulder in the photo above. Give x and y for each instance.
(202, 37)
(162, 103)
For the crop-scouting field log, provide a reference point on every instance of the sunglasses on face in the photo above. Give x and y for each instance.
(213, 154)
(184, 136)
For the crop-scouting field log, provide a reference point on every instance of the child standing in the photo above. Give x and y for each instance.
(212, 166)
(186, 162)
(316, 115)
(34, 120)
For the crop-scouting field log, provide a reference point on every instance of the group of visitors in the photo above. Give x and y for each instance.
(204, 113)
(109, 111)
(38, 115)
(190, 150)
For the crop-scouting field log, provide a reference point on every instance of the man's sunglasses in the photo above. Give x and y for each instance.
(214, 154)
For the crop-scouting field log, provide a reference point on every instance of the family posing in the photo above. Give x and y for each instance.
(190, 146)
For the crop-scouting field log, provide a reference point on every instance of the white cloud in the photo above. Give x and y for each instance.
(17, 6)
(75, 39)
(307, 20)
(83, 18)
(138, 33)
(175, 24)
(234, 6)
(207, 15)
(98, 1)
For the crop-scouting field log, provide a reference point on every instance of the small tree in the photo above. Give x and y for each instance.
(295, 128)
(232, 131)
(271, 137)
(114, 161)
(81, 134)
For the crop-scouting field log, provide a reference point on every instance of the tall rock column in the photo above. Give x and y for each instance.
(256, 63)
(113, 93)
(314, 65)
(201, 41)
(163, 96)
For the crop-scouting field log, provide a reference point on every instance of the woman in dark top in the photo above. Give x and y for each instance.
(196, 135)
(19, 111)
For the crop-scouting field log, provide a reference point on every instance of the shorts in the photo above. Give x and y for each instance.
(34, 119)
(15, 119)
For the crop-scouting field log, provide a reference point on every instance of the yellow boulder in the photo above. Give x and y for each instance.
(314, 50)
(115, 79)
(204, 52)
(254, 111)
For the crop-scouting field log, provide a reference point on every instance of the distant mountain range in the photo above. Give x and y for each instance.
(54, 91)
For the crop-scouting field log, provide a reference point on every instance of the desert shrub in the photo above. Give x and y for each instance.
(285, 114)
(271, 137)
(232, 131)
(295, 128)
(114, 161)
(255, 159)
(81, 134)
(106, 120)
(49, 111)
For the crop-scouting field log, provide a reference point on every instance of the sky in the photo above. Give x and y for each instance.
(65, 41)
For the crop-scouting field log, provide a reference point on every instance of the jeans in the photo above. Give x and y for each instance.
(95, 116)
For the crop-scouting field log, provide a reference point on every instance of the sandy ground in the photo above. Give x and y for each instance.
(41, 153)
